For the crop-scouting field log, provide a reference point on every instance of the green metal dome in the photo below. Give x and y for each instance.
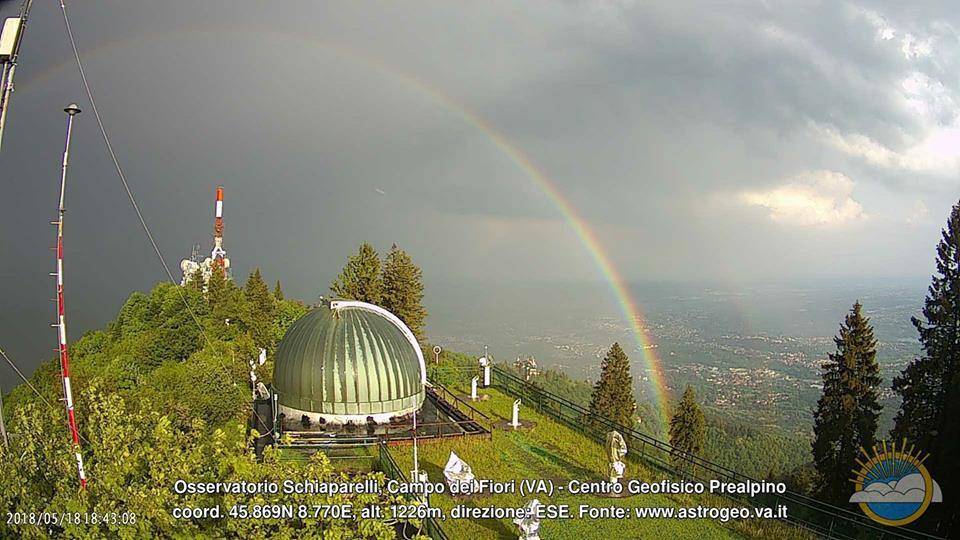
(346, 361)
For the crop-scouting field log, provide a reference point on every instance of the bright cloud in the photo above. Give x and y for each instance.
(938, 153)
(922, 60)
(909, 489)
(913, 47)
(885, 31)
(811, 198)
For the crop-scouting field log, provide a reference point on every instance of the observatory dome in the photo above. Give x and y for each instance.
(347, 361)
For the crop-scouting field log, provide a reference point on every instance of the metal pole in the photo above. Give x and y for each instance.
(416, 461)
(7, 87)
(71, 110)
(3, 84)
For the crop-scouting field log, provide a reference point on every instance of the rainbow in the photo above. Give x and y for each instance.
(631, 312)
(628, 307)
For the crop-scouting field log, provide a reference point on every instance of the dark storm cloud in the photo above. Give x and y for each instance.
(335, 123)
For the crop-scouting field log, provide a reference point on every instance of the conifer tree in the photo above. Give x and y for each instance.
(688, 427)
(929, 414)
(360, 278)
(227, 305)
(613, 392)
(278, 292)
(216, 286)
(260, 310)
(846, 416)
(403, 290)
(195, 280)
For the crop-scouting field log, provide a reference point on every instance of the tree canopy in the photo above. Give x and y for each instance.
(361, 278)
(261, 307)
(688, 427)
(846, 416)
(613, 392)
(157, 401)
(403, 290)
(929, 415)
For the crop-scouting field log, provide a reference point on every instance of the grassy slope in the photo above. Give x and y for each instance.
(755, 452)
(553, 451)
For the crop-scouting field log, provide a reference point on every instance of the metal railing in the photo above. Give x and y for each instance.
(471, 412)
(804, 512)
(392, 470)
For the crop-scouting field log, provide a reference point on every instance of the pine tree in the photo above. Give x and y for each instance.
(929, 414)
(403, 290)
(195, 280)
(846, 416)
(216, 286)
(278, 292)
(613, 393)
(688, 427)
(227, 305)
(260, 310)
(360, 278)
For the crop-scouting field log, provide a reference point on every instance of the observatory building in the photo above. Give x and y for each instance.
(349, 362)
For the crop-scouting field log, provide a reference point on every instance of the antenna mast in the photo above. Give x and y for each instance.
(218, 254)
(10, 40)
(71, 110)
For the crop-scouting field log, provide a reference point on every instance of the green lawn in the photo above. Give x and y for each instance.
(553, 451)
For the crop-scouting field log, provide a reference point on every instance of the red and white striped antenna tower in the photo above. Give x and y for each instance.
(71, 110)
(219, 254)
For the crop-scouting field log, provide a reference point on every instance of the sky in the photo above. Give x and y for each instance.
(730, 142)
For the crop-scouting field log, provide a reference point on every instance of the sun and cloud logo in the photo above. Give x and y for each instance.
(893, 487)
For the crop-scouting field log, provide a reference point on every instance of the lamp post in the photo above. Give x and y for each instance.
(71, 110)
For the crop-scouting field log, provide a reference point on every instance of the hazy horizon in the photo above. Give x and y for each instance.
(512, 318)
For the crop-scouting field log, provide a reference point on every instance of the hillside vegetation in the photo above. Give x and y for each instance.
(551, 450)
(158, 401)
(757, 452)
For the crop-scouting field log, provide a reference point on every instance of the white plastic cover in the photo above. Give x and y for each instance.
(459, 475)
(530, 525)
(8, 37)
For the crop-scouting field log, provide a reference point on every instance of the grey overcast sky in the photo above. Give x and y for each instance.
(722, 141)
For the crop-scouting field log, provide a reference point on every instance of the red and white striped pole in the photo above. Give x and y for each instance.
(71, 110)
(218, 252)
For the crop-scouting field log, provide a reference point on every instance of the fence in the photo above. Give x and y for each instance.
(809, 514)
(389, 466)
(463, 407)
